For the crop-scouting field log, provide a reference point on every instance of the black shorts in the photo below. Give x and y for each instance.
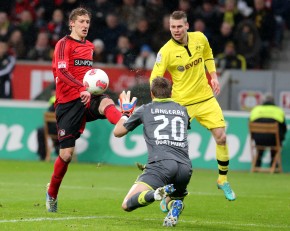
(164, 172)
(72, 117)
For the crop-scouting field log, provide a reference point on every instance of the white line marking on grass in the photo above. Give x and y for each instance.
(66, 186)
(199, 222)
(55, 219)
(118, 189)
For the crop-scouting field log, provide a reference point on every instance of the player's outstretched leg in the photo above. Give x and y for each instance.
(229, 193)
(51, 203)
(173, 214)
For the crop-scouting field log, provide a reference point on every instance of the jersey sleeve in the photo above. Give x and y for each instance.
(61, 63)
(160, 65)
(135, 119)
(208, 56)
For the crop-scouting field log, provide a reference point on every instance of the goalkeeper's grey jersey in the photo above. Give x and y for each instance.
(165, 125)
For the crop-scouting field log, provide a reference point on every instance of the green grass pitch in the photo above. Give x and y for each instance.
(90, 199)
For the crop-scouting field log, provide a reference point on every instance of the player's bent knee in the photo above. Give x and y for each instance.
(105, 103)
(222, 140)
(219, 136)
(66, 156)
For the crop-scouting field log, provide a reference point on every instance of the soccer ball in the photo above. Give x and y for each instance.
(96, 81)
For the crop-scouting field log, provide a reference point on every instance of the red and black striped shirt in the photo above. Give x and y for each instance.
(71, 60)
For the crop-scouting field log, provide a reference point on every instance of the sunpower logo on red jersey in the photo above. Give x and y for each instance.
(83, 62)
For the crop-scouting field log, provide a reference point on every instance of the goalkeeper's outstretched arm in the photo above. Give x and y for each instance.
(119, 129)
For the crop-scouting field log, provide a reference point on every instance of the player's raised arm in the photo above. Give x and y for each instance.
(127, 106)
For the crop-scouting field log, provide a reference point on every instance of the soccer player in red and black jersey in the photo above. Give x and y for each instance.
(73, 57)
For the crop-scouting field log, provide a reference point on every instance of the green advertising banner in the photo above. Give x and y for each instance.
(19, 122)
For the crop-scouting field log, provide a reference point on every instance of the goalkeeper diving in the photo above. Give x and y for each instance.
(168, 169)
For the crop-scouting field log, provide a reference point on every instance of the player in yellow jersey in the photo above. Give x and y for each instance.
(185, 57)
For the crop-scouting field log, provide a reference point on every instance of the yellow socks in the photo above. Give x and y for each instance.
(222, 156)
(222, 179)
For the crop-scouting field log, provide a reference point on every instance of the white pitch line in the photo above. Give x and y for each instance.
(52, 219)
(125, 189)
(64, 186)
(200, 222)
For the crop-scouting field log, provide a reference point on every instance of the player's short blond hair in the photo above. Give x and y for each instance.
(178, 14)
(80, 11)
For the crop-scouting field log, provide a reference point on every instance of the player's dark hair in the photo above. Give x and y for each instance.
(161, 88)
(178, 14)
(80, 11)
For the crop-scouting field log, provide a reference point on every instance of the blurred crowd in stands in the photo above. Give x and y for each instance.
(130, 32)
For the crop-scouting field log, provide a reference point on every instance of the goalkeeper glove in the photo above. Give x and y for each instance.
(127, 106)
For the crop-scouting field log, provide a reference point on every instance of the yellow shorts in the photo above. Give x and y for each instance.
(208, 113)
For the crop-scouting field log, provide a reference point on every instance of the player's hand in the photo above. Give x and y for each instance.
(215, 86)
(127, 106)
(85, 97)
(215, 83)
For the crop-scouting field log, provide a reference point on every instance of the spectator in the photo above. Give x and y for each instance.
(229, 59)
(100, 9)
(6, 27)
(28, 28)
(130, 13)
(220, 39)
(57, 27)
(200, 26)
(7, 64)
(47, 7)
(40, 21)
(268, 112)
(248, 43)
(111, 34)
(16, 44)
(99, 54)
(210, 14)
(146, 58)
(23, 5)
(42, 50)
(142, 35)
(264, 21)
(123, 54)
(68, 5)
(161, 36)
(185, 5)
(154, 10)
(281, 11)
(231, 14)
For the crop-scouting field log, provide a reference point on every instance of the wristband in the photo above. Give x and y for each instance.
(124, 117)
